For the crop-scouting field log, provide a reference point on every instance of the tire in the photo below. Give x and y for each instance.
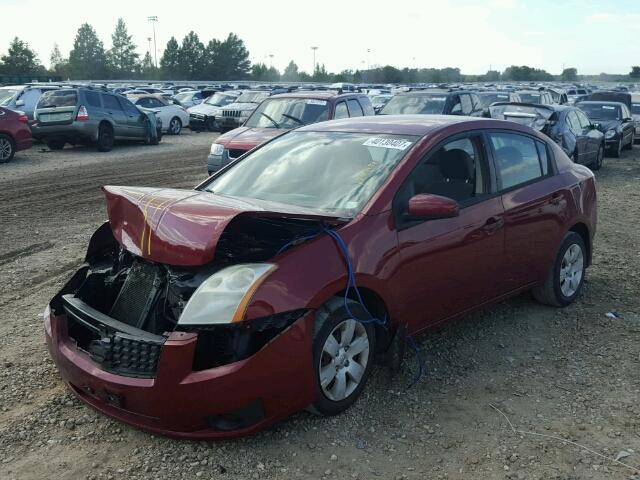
(7, 148)
(210, 124)
(56, 144)
(566, 278)
(597, 164)
(339, 389)
(175, 126)
(617, 152)
(105, 138)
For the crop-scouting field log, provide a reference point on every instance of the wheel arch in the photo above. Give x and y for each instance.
(581, 229)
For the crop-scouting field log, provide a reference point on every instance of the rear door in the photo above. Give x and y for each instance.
(114, 112)
(534, 204)
(355, 110)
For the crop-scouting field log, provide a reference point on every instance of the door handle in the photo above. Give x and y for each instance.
(493, 224)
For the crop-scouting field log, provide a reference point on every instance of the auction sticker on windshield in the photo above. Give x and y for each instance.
(313, 101)
(395, 143)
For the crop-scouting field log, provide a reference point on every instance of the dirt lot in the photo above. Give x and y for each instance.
(572, 373)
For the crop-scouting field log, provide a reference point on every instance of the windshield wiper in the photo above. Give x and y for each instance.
(272, 120)
(292, 118)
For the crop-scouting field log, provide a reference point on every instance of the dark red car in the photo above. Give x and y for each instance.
(281, 113)
(270, 288)
(14, 133)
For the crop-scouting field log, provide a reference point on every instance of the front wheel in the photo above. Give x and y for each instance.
(7, 148)
(175, 126)
(343, 351)
(565, 280)
(617, 152)
(630, 145)
(597, 164)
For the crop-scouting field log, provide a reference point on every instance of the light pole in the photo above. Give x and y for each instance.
(314, 59)
(154, 19)
(149, 40)
(368, 59)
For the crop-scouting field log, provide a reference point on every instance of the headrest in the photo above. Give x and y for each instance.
(456, 164)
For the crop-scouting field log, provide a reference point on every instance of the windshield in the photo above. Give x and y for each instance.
(601, 112)
(6, 95)
(220, 99)
(288, 113)
(635, 108)
(487, 99)
(331, 172)
(252, 97)
(409, 104)
(530, 97)
(58, 98)
(184, 96)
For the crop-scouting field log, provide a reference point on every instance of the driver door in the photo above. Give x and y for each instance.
(450, 265)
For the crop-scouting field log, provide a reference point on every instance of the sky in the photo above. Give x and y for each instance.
(592, 35)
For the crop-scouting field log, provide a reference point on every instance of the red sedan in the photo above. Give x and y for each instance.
(14, 133)
(214, 312)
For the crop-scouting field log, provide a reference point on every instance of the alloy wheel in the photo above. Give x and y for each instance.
(571, 270)
(344, 359)
(6, 149)
(175, 126)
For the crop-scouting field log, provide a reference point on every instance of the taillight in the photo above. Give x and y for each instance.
(23, 119)
(83, 115)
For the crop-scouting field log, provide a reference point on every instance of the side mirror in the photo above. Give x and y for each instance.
(19, 103)
(430, 207)
(628, 119)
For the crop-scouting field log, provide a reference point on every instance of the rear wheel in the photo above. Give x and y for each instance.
(565, 280)
(175, 126)
(597, 164)
(343, 351)
(56, 144)
(7, 148)
(105, 138)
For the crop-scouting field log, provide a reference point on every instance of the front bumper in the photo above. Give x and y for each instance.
(200, 122)
(183, 403)
(216, 162)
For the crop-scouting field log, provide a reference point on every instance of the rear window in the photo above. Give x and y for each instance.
(58, 98)
(415, 104)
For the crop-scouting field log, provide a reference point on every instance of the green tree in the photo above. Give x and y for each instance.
(192, 56)
(170, 61)
(635, 72)
(228, 59)
(147, 69)
(57, 63)
(492, 76)
(320, 74)
(20, 59)
(291, 73)
(569, 74)
(122, 58)
(87, 59)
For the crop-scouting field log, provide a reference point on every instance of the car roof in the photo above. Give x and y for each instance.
(418, 125)
(317, 95)
(601, 102)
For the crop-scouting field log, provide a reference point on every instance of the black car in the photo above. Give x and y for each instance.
(615, 121)
(489, 97)
(568, 126)
(434, 101)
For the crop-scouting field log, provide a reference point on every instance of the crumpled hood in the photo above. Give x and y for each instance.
(205, 108)
(246, 137)
(604, 125)
(180, 227)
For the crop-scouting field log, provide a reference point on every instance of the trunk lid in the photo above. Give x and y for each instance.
(531, 115)
(57, 107)
(181, 227)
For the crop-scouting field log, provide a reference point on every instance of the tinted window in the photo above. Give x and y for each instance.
(288, 113)
(58, 98)
(455, 170)
(597, 111)
(516, 159)
(341, 111)
(366, 105)
(355, 110)
(456, 108)
(636, 108)
(416, 104)
(110, 102)
(93, 98)
(475, 101)
(465, 102)
(544, 157)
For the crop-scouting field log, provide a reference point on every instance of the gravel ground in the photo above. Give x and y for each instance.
(573, 374)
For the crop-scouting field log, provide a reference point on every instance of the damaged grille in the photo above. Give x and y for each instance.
(124, 354)
(138, 294)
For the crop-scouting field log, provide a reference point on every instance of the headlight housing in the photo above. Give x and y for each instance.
(610, 134)
(217, 149)
(223, 297)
